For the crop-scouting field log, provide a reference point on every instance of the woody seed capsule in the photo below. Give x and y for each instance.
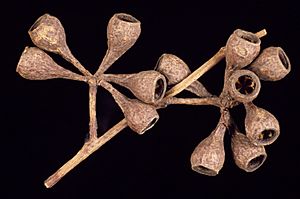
(262, 128)
(140, 117)
(241, 48)
(35, 64)
(147, 86)
(272, 64)
(122, 32)
(209, 156)
(243, 85)
(247, 155)
(175, 70)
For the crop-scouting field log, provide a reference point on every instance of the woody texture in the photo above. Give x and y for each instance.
(246, 66)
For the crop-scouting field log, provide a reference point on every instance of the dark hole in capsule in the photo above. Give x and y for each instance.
(267, 135)
(245, 85)
(256, 162)
(205, 170)
(159, 89)
(36, 24)
(127, 18)
(250, 38)
(284, 59)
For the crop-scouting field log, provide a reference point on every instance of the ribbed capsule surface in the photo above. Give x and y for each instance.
(175, 70)
(262, 127)
(247, 155)
(122, 32)
(148, 86)
(48, 33)
(209, 156)
(35, 64)
(139, 116)
(241, 48)
(272, 64)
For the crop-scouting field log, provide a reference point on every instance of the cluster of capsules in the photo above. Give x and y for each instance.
(245, 67)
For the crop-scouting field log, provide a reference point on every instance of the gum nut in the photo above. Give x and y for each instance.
(272, 64)
(241, 48)
(262, 128)
(247, 156)
(243, 85)
(209, 156)
(35, 64)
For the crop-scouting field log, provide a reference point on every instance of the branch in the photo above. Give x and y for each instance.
(92, 145)
(92, 110)
(87, 149)
(215, 101)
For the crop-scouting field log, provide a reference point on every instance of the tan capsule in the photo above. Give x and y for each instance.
(272, 64)
(175, 70)
(262, 128)
(247, 155)
(122, 32)
(209, 156)
(243, 85)
(241, 48)
(35, 64)
(147, 86)
(48, 34)
(140, 117)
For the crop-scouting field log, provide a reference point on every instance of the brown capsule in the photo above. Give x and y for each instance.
(272, 64)
(241, 48)
(139, 116)
(209, 156)
(48, 34)
(35, 64)
(247, 155)
(122, 32)
(262, 128)
(147, 86)
(175, 70)
(243, 85)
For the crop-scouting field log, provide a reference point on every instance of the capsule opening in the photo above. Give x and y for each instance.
(159, 89)
(245, 85)
(267, 135)
(256, 162)
(204, 170)
(151, 124)
(250, 37)
(37, 23)
(127, 18)
(284, 59)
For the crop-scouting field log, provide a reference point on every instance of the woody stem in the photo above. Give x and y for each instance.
(94, 144)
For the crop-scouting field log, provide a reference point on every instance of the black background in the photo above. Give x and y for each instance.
(45, 123)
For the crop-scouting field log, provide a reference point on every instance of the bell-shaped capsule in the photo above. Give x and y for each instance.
(272, 64)
(247, 155)
(243, 85)
(139, 116)
(241, 48)
(147, 86)
(35, 64)
(122, 32)
(209, 156)
(48, 34)
(262, 128)
(175, 70)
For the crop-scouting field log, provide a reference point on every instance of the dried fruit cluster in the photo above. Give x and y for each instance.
(244, 69)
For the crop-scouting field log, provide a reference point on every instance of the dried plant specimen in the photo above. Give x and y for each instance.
(244, 69)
